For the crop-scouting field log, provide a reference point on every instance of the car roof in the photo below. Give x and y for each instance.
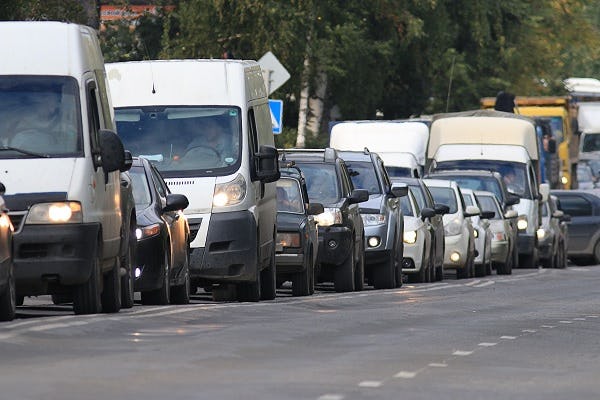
(312, 155)
(356, 155)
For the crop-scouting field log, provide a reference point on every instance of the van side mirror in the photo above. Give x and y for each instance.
(512, 199)
(267, 168)
(176, 202)
(315, 209)
(472, 211)
(488, 214)
(441, 209)
(358, 196)
(399, 189)
(565, 218)
(112, 153)
(128, 162)
(510, 214)
(427, 213)
(544, 191)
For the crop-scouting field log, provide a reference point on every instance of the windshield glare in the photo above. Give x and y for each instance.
(363, 176)
(40, 114)
(289, 198)
(183, 141)
(141, 190)
(321, 182)
(513, 173)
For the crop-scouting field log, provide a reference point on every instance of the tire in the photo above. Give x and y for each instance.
(111, 294)
(249, 291)
(301, 281)
(128, 280)
(462, 273)
(8, 298)
(268, 278)
(344, 274)
(359, 269)
(399, 274)
(421, 276)
(181, 294)
(597, 252)
(86, 297)
(562, 258)
(62, 298)
(161, 295)
(530, 260)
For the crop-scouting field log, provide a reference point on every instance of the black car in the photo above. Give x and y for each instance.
(425, 201)
(297, 243)
(162, 259)
(341, 252)
(8, 298)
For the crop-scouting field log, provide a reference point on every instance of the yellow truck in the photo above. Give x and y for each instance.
(555, 113)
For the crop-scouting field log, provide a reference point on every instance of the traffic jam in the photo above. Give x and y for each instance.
(151, 182)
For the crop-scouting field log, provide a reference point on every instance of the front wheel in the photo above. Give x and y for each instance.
(181, 294)
(359, 268)
(86, 297)
(128, 279)
(161, 295)
(301, 281)
(268, 278)
(8, 299)
(111, 295)
(344, 274)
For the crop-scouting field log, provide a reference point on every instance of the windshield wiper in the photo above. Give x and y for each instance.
(26, 152)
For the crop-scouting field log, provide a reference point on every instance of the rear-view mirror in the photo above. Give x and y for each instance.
(427, 213)
(472, 211)
(441, 209)
(512, 199)
(399, 189)
(358, 196)
(176, 202)
(268, 165)
(488, 214)
(315, 209)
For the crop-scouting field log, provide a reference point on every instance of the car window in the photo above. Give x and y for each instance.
(159, 183)
(289, 198)
(363, 176)
(406, 207)
(419, 196)
(446, 196)
(576, 206)
(489, 204)
(468, 200)
(321, 182)
(398, 172)
(141, 190)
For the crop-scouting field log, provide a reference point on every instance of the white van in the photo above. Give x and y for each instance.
(400, 144)
(60, 160)
(495, 141)
(206, 125)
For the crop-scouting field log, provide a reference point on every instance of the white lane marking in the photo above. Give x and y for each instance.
(578, 269)
(591, 316)
(462, 353)
(529, 331)
(565, 322)
(331, 397)
(548, 326)
(525, 276)
(484, 284)
(578, 319)
(508, 337)
(476, 281)
(405, 374)
(370, 384)
(429, 289)
(487, 344)
(438, 365)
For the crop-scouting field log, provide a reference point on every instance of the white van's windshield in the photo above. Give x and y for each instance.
(514, 174)
(39, 117)
(183, 140)
(591, 142)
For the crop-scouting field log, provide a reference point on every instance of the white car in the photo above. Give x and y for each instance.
(502, 238)
(459, 253)
(418, 260)
(482, 233)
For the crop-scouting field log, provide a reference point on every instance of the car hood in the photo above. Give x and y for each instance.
(373, 205)
(289, 222)
(146, 216)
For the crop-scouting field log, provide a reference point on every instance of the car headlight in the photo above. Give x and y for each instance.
(541, 233)
(452, 228)
(68, 212)
(143, 232)
(373, 219)
(288, 239)
(522, 222)
(475, 233)
(331, 216)
(410, 237)
(230, 193)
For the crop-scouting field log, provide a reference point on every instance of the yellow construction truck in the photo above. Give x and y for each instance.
(553, 115)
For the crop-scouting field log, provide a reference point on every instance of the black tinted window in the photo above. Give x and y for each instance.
(445, 196)
(576, 206)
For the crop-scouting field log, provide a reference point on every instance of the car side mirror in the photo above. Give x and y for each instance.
(267, 168)
(358, 196)
(427, 213)
(512, 199)
(544, 191)
(565, 218)
(176, 202)
(315, 209)
(399, 189)
(441, 209)
(112, 152)
(510, 214)
(488, 214)
(558, 214)
(472, 211)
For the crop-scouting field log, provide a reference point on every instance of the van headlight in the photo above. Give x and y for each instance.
(143, 232)
(230, 193)
(410, 237)
(331, 216)
(68, 212)
(373, 219)
(453, 228)
(522, 222)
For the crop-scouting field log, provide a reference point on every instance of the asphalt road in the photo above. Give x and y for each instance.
(531, 335)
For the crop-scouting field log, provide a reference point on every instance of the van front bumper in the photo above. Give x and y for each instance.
(230, 253)
(61, 254)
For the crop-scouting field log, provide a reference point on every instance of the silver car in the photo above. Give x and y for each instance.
(483, 235)
(552, 241)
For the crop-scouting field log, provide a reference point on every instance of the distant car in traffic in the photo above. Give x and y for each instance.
(482, 233)
(8, 298)
(162, 259)
(297, 242)
(459, 239)
(551, 236)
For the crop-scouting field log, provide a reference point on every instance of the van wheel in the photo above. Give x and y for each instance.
(359, 268)
(111, 295)
(181, 294)
(127, 280)
(161, 295)
(268, 278)
(86, 297)
(344, 274)
(301, 281)
(8, 299)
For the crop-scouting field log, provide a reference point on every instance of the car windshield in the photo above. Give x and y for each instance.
(141, 190)
(476, 183)
(407, 210)
(363, 176)
(488, 204)
(591, 142)
(398, 172)
(289, 198)
(183, 141)
(40, 117)
(513, 173)
(445, 196)
(321, 182)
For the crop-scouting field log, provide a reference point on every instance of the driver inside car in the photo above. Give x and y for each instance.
(210, 134)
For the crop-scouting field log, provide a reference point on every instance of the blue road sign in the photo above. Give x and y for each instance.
(276, 107)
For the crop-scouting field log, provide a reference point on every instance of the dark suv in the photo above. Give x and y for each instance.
(341, 235)
(382, 218)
